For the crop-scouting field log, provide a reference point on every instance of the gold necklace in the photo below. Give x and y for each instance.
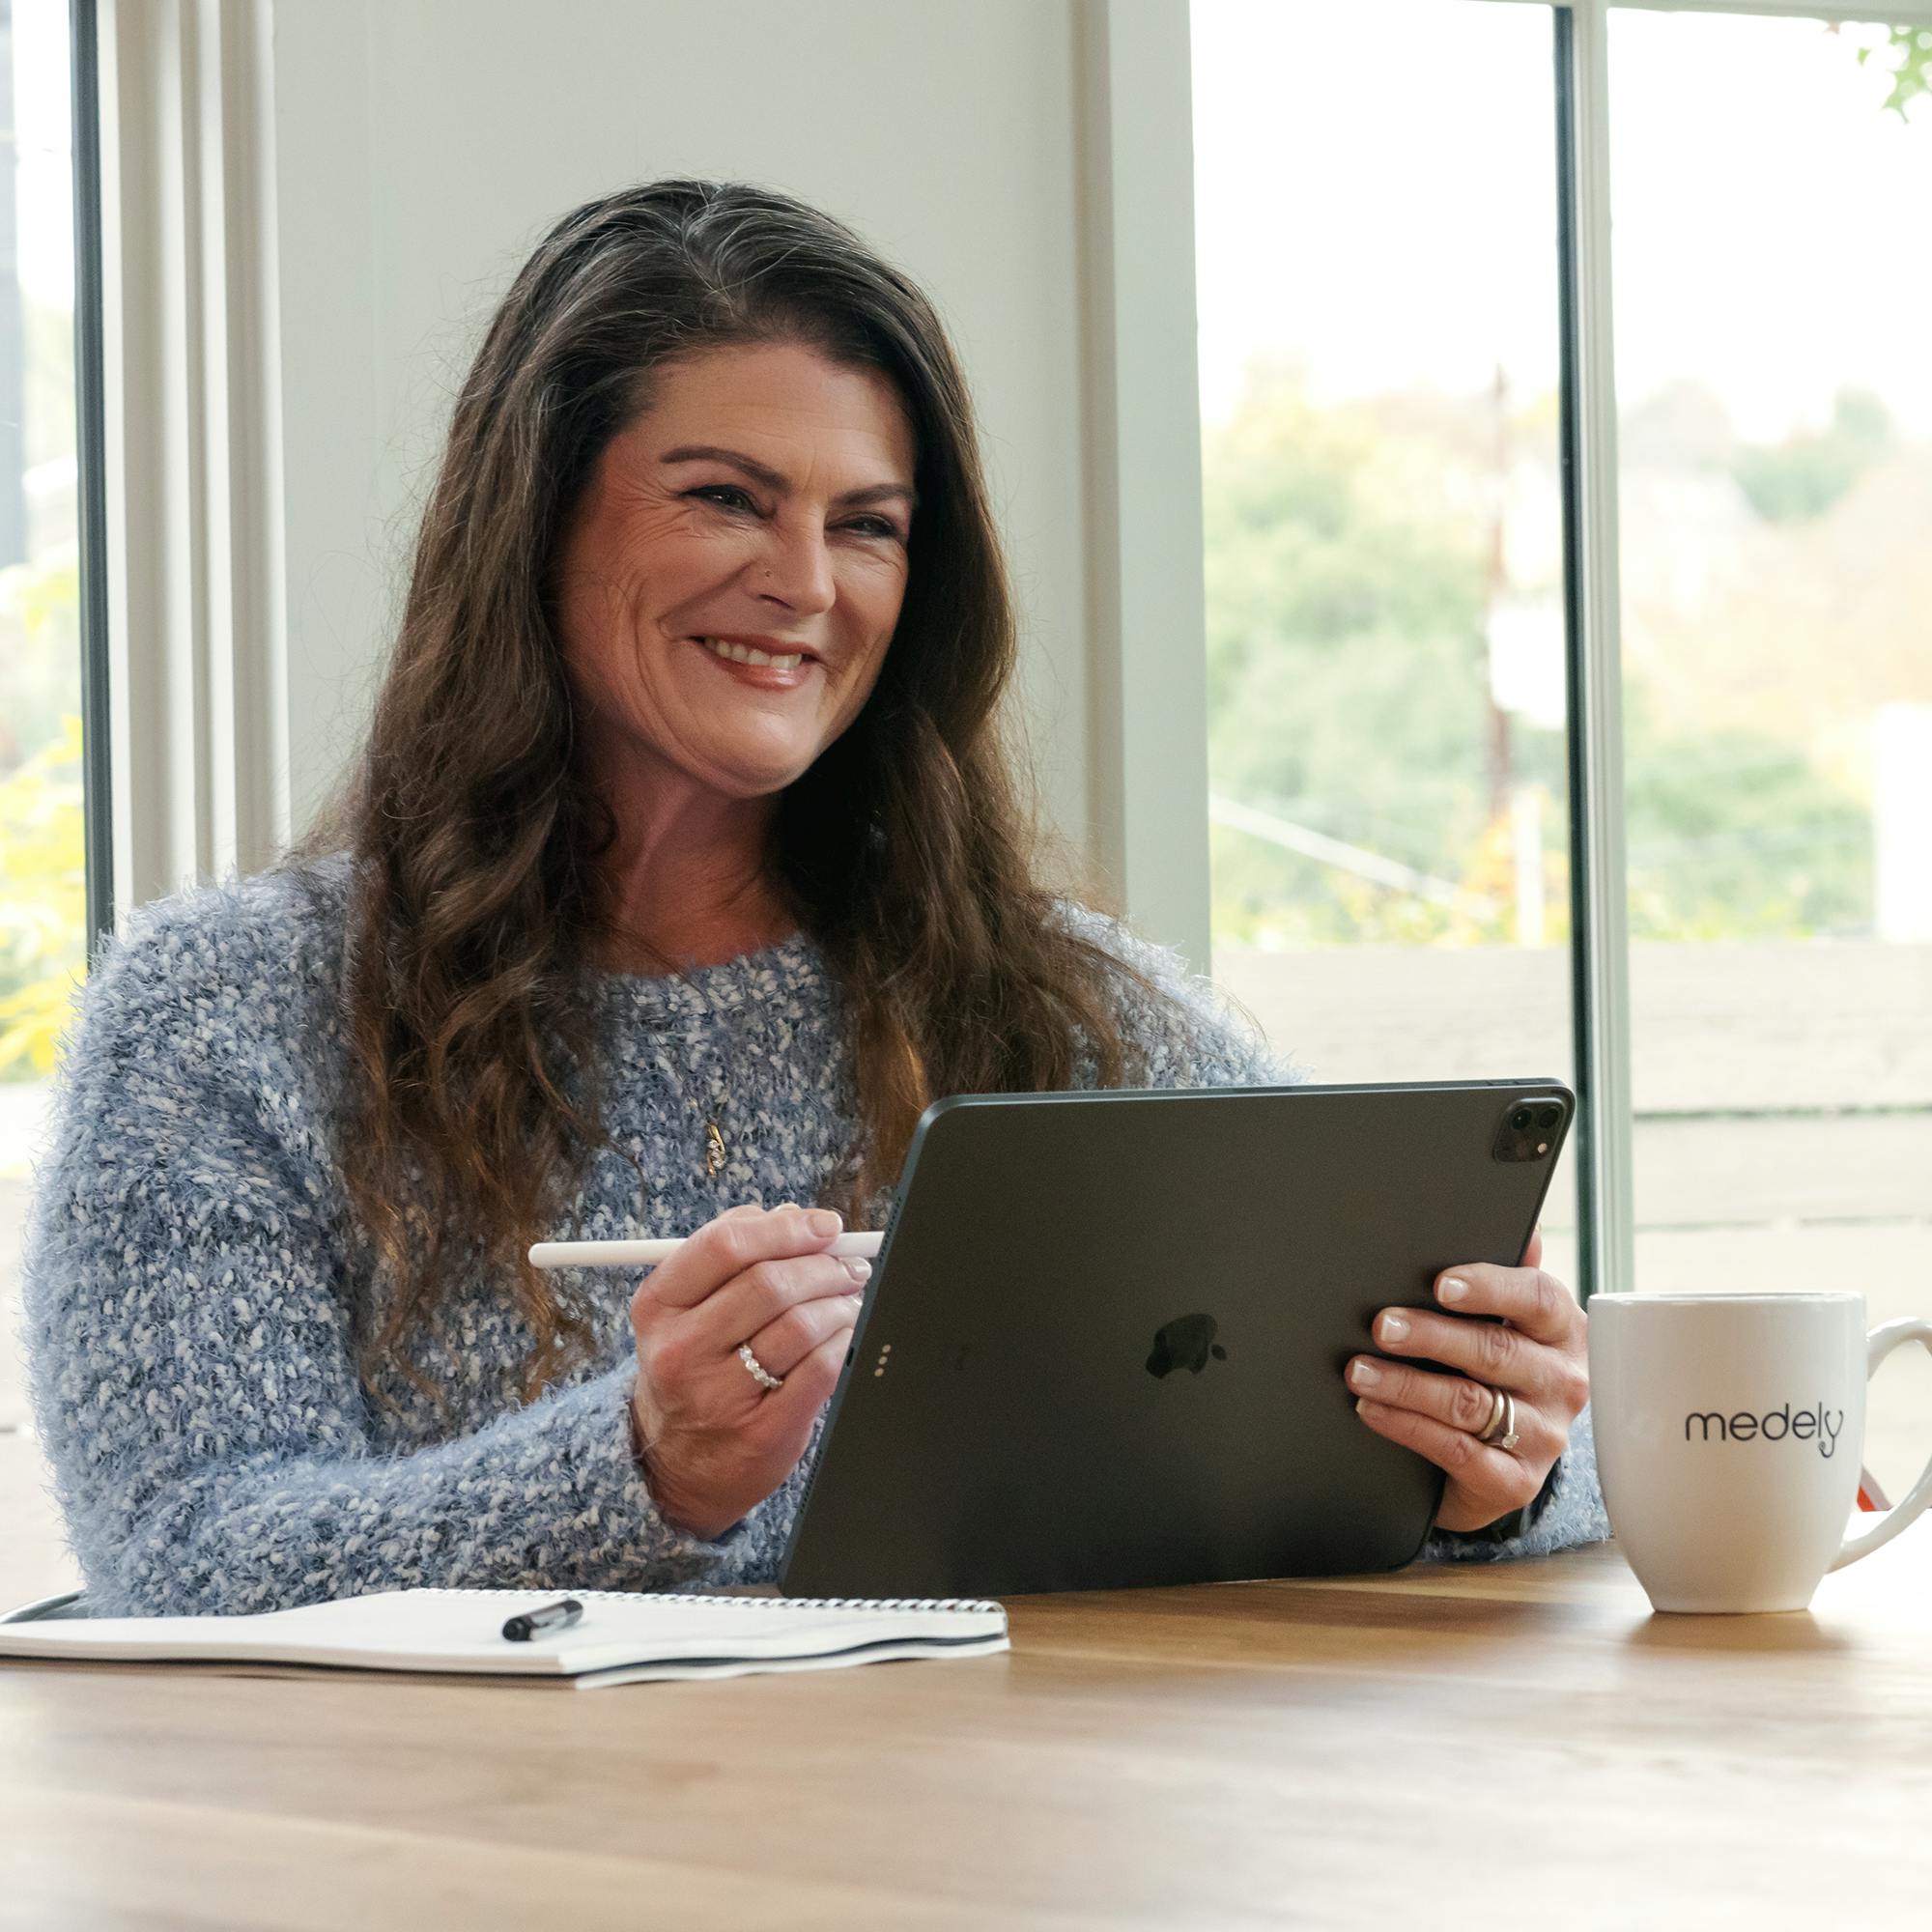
(715, 1150)
(716, 1153)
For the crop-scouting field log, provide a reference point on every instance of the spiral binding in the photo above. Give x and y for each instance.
(757, 1603)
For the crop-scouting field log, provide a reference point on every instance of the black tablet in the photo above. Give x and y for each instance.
(1103, 1346)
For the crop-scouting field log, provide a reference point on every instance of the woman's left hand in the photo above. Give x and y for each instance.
(1536, 1354)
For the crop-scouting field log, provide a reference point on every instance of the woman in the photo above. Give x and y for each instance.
(684, 866)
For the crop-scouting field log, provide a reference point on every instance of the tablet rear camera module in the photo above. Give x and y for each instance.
(1526, 1133)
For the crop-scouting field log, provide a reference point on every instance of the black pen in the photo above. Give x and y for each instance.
(552, 1617)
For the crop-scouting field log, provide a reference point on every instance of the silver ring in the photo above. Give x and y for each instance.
(1505, 1435)
(1494, 1426)
(758, 1370)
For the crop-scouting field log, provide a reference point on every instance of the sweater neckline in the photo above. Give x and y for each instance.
(730, 985)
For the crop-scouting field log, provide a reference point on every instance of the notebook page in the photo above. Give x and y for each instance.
(429, 1630)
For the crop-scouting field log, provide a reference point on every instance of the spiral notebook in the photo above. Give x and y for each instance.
(620, 1639)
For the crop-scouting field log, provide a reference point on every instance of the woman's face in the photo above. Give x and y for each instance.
(762, 501)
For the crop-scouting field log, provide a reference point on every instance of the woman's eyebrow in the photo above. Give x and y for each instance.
(705, 452)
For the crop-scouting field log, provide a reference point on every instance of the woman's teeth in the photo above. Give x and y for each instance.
(743, 654)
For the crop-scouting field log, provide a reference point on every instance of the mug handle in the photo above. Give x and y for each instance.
(1878, 1346)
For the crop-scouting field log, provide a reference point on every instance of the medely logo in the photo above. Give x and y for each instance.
(1820, 1425)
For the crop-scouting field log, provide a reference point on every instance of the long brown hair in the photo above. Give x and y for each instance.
(908, 850)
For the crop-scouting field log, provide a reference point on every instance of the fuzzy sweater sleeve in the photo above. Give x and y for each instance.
(189, 1351)
(1569, 1511)
(1195, 1038)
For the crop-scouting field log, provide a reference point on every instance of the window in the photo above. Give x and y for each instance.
(1773, 305)
(43, 887)
(44, 898)
(1383, 528)
(1379, 277)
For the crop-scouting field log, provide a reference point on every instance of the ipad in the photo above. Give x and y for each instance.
(1102, 1344)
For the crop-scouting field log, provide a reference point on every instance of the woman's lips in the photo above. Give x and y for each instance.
(766, 677)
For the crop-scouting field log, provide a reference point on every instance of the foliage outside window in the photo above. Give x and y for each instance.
(42, 872)
(1362, 567)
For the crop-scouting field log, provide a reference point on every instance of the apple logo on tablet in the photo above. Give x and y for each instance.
(1185, 1343)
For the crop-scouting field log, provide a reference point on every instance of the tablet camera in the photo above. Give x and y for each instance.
(1527, 1131)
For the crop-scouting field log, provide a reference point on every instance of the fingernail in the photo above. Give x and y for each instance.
(1363, 1408)
(858, 1267)
(1364, 1375)
(823, 1221)
(1395, 1327)
(1452, 1289)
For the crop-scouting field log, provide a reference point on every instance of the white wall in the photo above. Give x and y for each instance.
(423, 145)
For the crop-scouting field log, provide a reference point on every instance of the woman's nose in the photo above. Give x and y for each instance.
(798, 570)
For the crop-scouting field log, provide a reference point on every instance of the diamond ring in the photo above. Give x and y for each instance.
(758, 1370)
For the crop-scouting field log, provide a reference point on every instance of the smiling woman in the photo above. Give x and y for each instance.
(699, 426)
(724, 611)
(615, 931)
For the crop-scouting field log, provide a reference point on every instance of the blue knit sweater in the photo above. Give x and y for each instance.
(190, 1256)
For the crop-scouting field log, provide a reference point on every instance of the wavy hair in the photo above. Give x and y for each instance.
(908, 850)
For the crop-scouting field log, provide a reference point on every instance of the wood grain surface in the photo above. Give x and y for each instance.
(1521, 1745)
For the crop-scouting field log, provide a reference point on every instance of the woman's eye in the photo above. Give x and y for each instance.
(729, 497)
(715, 492)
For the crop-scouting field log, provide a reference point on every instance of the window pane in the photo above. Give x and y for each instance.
(43, 898)
(1773, 299)
(1375, 222)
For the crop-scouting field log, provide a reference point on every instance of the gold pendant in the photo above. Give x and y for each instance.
(714, 1148)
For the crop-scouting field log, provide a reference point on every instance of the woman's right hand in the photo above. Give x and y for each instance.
(713, 1439)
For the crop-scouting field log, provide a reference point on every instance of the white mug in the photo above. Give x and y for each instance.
(1729, 1432)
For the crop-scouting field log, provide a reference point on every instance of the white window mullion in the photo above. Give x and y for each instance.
(1601, 965)
(195, 610)
(241, 522)
(1146, 709)
(219, 554)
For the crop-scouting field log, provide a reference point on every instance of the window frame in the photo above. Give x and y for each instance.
(1599, 878)
(184, 591)
(97, 739)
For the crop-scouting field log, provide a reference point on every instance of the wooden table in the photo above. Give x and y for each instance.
(1515, 1747)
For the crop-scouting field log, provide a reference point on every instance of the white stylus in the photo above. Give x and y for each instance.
(646, 1254)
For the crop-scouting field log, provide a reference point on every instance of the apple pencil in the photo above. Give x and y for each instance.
(647, 1254)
